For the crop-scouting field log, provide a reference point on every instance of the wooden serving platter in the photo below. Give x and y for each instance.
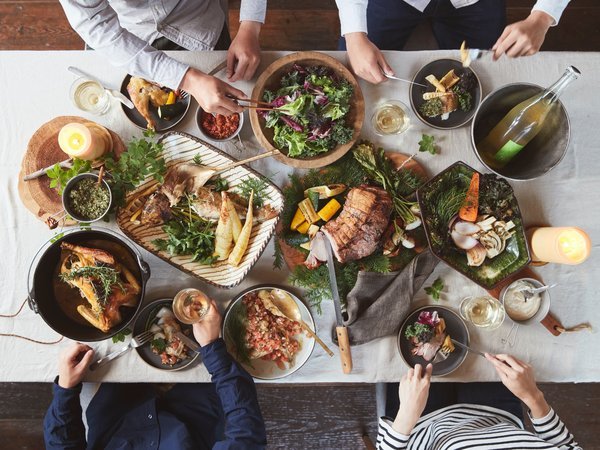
(179, 148)
(43, 151)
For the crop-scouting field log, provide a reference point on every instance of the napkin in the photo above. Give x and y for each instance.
(378, 303)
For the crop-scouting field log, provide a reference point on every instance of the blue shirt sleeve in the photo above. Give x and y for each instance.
(63, 424)
(244, 425)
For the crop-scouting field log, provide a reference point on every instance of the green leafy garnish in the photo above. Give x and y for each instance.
(120, 336)
(188, 235)
(416, 330)
(257, 184)
(197, 159)
(235, 333)
(103, 277)
(427, 144)
(435, 289)
(59, 177)
(160, 345)
(143, 158)
(219, 183)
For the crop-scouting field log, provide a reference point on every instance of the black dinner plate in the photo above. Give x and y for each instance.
(161, 125)
(439, 68)
(144, 321)
(455, 327)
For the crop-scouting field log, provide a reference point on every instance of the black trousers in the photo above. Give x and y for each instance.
(163, 43)
(391, 22)
(447, 394)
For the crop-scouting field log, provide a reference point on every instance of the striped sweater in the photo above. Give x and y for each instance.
(466, 426)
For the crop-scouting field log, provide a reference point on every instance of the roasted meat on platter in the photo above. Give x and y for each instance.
(357, 231)
(143, 93)
(102, 281)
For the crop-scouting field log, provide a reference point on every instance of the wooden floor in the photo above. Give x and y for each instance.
(298, 416)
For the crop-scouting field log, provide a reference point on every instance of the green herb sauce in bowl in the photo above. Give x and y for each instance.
(85, 200)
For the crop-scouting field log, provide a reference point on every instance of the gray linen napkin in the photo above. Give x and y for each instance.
(378, 303)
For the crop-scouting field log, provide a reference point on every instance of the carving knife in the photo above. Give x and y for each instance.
(340, 329)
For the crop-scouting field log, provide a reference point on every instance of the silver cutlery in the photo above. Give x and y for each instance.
(511, 338)
(115, 93)
(392, 77)
(530, 292)
(137, 341)
(467, 348)
(188, 342)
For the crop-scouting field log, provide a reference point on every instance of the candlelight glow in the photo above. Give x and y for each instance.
(573, 243)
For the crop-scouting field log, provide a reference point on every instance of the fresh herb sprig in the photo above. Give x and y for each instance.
(143, 158)
(188, 234)
(106, 277)
(435, 289)
(418, 330)
(59, 176)
(257, 184)
(120, 336)
(427, 144)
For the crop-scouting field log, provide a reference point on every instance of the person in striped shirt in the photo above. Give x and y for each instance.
(455, 416)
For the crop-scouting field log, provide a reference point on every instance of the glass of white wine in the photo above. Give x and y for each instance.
(483, 311)
(191, 305)
(90, 96)
(390, 117)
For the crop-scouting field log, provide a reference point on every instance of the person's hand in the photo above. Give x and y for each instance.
(243, 55)
(523, 38)
(211, 93)
(209, 328)
(366, 59)
(414, 391)
(73, 363)
(518, 377)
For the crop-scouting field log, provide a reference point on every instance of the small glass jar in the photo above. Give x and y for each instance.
(390, 117)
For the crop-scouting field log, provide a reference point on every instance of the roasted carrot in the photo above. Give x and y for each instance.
(468, 209)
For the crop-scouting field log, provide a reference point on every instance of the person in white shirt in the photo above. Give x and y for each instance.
(369, 26)
(131, 34)
(472, 415)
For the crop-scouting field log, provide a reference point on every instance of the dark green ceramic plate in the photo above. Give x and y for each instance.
(497, 198)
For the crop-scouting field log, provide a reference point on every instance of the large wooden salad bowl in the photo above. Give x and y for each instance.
(270, 79)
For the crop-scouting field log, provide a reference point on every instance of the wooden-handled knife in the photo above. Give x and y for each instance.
(340, 330)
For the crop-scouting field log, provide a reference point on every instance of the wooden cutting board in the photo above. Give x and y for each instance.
(43, 151)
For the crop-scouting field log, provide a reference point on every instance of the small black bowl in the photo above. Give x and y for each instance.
(439, 68)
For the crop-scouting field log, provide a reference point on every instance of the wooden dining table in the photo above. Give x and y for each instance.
(35, 89)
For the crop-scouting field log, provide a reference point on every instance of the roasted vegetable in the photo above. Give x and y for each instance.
(326, 191)
(168, 112)
(297, 220)
(308, 210)
(242, 244)
(236, 223)
(224, 232)
(313, 230)
(470, 205)
(303, 228)
(329, 210)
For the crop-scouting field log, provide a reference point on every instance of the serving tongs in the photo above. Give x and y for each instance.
(249, 103)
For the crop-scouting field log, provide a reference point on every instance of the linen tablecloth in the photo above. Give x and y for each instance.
(35, 89)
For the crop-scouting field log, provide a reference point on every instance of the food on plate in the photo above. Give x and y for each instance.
(102, 280)
(87, 199)
(428, 336)
(269, 336)
(518, 306)
(200, 217)
(454, 91)
(357, 231)
(164, 341)
(311, 104)
(219, 126)
(88, 141)
(144, 93)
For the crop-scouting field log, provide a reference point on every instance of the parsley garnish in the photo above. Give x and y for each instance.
(59, 177)
(435, 289)
(417, 329)
(160, 345)
(220, 183)
(120, 336)
(427, 144)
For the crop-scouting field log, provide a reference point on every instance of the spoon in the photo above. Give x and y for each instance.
(281, 304)
(532, 291)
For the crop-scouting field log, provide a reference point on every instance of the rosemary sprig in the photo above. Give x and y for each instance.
(106, 276)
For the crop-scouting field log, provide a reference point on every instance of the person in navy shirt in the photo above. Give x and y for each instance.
(221, 415)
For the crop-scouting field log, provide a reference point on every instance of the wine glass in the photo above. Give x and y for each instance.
(191, 305)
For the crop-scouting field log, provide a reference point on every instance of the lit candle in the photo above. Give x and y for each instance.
(83, 141)
(565, 245)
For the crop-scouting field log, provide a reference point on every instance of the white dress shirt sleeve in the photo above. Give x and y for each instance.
(98, 25)
(554, 8)
(254, 10)
(353, 15)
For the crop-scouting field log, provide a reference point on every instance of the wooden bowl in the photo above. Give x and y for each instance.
(270, 79)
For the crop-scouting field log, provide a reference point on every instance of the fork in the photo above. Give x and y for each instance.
(135, 342)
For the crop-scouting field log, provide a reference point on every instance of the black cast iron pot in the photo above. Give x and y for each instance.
(42, 299)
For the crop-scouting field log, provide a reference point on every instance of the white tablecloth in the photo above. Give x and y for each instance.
(35, 87)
